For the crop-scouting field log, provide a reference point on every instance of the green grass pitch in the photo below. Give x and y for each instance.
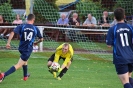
(83, 73)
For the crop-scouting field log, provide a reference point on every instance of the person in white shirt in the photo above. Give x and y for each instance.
(17, 20)
(90, 21)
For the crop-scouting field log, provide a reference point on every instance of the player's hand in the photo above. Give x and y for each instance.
(60, 69)
(8, 46)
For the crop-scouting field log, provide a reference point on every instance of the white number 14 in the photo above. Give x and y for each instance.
(29, 36)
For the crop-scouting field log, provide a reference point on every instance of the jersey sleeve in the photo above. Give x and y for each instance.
(57, 55)
(66, 60)
(110, 37)
(38, 33)
(18, 29)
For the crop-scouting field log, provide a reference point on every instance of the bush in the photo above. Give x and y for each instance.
(6, 12)
(126, 4)
(87, 6)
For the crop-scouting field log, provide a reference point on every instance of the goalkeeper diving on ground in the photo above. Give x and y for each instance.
(65, 52)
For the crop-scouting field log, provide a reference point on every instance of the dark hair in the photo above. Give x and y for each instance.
(119, 14)
(31, 17)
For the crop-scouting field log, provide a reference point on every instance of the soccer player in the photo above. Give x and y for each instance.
(120, 37)
(65, 52)
(27, 33)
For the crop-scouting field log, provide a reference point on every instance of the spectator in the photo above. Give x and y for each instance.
(63, 20)
(90, 21)
(113, 23)
(104, 20)
(17, 20)
(3, 31)
(74, 20)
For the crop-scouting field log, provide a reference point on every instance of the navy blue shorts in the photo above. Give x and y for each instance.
(25, 55)
(124, 68)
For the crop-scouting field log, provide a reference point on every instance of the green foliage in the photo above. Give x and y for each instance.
(45, 12)
(126, 4)
(88, 6)
(6, 12)
(51, 1)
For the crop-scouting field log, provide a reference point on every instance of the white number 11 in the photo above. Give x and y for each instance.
(126, 39)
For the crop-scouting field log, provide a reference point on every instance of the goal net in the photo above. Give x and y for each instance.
(88, 43)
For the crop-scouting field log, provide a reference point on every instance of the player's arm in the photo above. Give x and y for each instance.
(9, 40)
(39, 36)
(39, 40)
(16, 30)
(57, 55)
(65, 62)
(109, 38)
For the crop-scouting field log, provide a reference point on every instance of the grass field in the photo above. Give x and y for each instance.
(83, 73)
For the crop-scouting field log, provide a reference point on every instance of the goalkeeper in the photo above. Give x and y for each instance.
(65, 52)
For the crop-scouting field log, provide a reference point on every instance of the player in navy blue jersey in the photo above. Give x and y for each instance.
(120, 37)
(27, 33)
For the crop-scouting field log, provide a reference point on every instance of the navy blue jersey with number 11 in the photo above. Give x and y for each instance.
(27, 33)
(120, 37)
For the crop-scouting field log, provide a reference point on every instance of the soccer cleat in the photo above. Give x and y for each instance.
(54, 74)
(58, 78)
(25, 78)
(1, 77)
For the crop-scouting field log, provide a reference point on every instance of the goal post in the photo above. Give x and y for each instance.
(88, 42)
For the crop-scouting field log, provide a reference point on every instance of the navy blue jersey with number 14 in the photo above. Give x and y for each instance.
(27, 33)
(120, 37)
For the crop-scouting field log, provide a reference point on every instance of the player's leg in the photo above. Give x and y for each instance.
(130, 78)
(25, 56)
(12, 69)
(50, 61)
(15, 67)
(123, 74)
(130, 68)
(64, 71)
(125, 80)
(25, 74)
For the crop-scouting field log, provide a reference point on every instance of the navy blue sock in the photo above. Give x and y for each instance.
(10, 71)
(131, 81)
(128, 85)
(25, 70)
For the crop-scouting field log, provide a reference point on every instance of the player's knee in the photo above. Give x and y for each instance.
(49, 63)
(68, 66)
(17, 66)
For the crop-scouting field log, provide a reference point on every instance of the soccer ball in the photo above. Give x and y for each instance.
(55, 66)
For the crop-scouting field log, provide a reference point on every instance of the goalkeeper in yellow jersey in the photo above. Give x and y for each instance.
(65, 52)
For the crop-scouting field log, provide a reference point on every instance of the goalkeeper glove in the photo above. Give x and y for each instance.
(60, 69)
(50, 68)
